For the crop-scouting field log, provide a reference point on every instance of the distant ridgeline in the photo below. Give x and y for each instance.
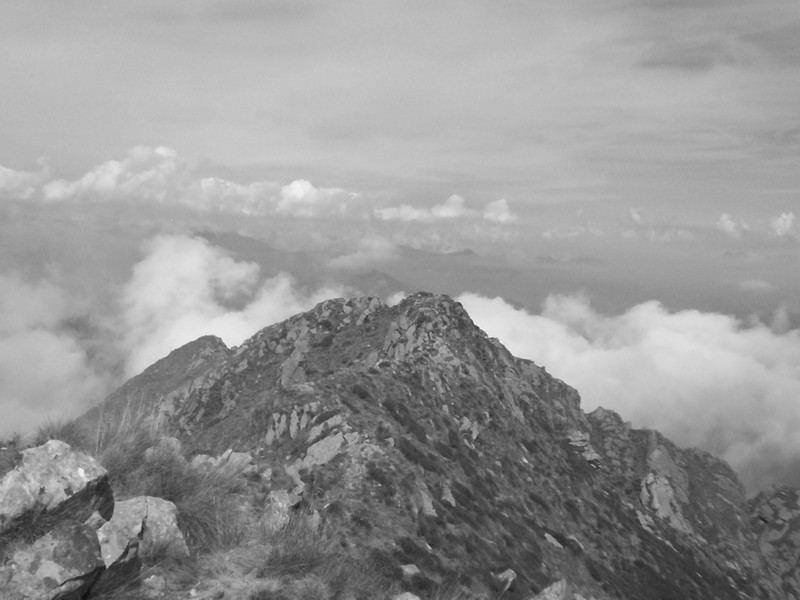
(428, 456)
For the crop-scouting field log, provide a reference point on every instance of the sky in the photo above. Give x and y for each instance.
(618, 179)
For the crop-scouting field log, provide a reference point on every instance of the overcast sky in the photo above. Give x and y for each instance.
(626, 161)
(685, 107)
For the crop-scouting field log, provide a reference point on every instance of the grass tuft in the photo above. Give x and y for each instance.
(60, 428)
(311, 561)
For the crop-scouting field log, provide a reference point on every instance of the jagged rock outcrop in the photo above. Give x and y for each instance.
(154, 520)
(449, 462)
(46, 549)
(52, 483)
(775, 518)
(64, 563)
(159, 389)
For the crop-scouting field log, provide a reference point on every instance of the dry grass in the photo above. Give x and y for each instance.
(307, 560)
(209, 501)
(303, 560)
(60, 428)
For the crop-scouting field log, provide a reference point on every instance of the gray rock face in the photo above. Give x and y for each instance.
(56, 482)
(155, 519)
(557, 591)
(775, 516)
(64, 563)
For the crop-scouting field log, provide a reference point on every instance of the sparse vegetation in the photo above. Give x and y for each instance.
(302, 560)
(60, 428)
(312, 560)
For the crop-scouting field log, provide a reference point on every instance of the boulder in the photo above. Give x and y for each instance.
(124, 573)
(278, 508)
(50, 484)
(504, 580)
(155, 516)
(64, 563)
(556, 591)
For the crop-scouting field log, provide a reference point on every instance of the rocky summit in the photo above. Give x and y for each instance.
(447, 467)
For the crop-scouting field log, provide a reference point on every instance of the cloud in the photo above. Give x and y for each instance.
(452, 208)
(301, 199)
(185, 288)
(783, 225)
(702, 379)
(221, 195)
(499, 212)
(728, 226)
(44, 369)
(21, 185)
(153, 174)
(161, 176)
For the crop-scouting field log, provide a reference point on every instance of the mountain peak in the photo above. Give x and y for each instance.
(442, 450)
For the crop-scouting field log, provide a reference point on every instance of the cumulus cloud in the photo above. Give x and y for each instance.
(159, 175)
(301, 199)
(217, 194)
(499, 212)
(154, 174)
(185, 288)
(21, 185)
(727, 225)
(783, 225)
(703, 379)
(43, 367)
(452, 208)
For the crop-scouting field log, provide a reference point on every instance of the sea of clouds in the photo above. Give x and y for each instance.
(703, 379)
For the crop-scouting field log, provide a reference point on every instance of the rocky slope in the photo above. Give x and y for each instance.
(451, 464)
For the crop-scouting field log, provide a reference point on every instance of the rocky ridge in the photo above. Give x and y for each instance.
(451, 464)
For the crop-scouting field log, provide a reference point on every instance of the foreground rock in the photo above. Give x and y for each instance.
(64, 563)
(152, 520)
(776, 521)
(51, 483)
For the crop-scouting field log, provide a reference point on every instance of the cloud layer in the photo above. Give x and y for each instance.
(160, 176)
(185, 288)
(43, 365)
(702, 379)
(54, 360)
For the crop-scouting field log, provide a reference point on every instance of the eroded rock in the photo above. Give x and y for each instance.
(53, 482)
(67, 560)
(155, 517)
